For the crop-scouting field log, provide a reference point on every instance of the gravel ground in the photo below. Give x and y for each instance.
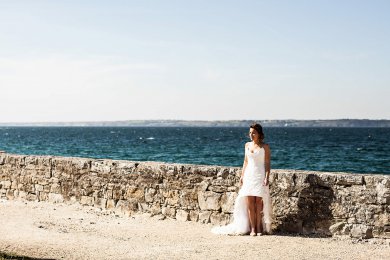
(60, 231)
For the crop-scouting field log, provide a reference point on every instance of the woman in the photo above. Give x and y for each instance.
(252, 209)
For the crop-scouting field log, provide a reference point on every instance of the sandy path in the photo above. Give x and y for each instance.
(60, 231)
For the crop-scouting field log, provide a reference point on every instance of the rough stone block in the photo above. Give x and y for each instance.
(56, 198)
(204, 216)
(135, 193)
(42, 181)
(125, 167)
(209, 200)
(350, 179)
(223, 173)
(43, 196)
(370, 181)
(126, 207)
(383, 194)
(25, 179)
(352, 220)
(361, 231)
(168, 211)
(22, 195)
(6, 184)
(15, 160)
(155, 209)
(339, 210)
(54, 180)
(38, 187)
(143, 207)
(46, 188)
(111, 203)
(219, 189)
(108, 194)
(346, 230)
(2, 158)
(382, 219)
(100, 202)
(207, 171)
(10, 194)
(175, 184)
(287, 206)
(233, 189)
(203, 186)
(117, 193)
(224, 183)
(381, 232)
(219, 218)
(101, 166)
(14, 185)
(374, 214)
(366, 197)
(188, 198)
(32, 197)
(86, 200)
(182, 215)
(227, 202)
(55, 188)
(173, 197)
(48, 173)
(3, 193)
(194, 215)
(149, 194)
(72, 199)
(320, 227)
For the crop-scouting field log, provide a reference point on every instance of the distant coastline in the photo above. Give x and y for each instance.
(218, 123)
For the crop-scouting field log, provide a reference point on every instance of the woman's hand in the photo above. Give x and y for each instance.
(265, 182)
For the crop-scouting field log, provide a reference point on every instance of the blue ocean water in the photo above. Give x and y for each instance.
(358, 150)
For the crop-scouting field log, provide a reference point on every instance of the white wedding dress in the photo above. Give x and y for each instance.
(252, 186)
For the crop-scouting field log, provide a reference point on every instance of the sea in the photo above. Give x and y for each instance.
(354, 150)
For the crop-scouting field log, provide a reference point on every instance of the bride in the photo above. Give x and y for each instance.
(252, 209)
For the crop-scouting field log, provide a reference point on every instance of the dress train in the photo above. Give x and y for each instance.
(240, 224)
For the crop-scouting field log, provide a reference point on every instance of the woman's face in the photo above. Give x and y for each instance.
(254, 135)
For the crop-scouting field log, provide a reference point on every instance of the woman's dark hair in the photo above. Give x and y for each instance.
(259, 130)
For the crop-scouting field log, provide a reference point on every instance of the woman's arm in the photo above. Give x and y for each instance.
(267, 164)
(244, 165)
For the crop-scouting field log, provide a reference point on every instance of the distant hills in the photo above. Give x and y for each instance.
(227, 123)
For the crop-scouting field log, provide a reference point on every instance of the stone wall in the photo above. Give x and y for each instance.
(303, 202)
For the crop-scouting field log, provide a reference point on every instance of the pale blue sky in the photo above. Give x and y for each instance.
(194, 60)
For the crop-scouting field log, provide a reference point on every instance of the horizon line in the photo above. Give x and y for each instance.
(188, 120)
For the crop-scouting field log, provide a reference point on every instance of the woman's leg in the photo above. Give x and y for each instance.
(259, 214)
(251, 201)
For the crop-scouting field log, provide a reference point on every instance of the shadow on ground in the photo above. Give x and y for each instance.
(4, 255)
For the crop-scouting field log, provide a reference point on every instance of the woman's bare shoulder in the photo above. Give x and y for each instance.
(266, 146)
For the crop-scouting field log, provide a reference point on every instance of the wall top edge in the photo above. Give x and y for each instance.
(157, 163)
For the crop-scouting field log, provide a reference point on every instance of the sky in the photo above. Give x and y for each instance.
(80, 60)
